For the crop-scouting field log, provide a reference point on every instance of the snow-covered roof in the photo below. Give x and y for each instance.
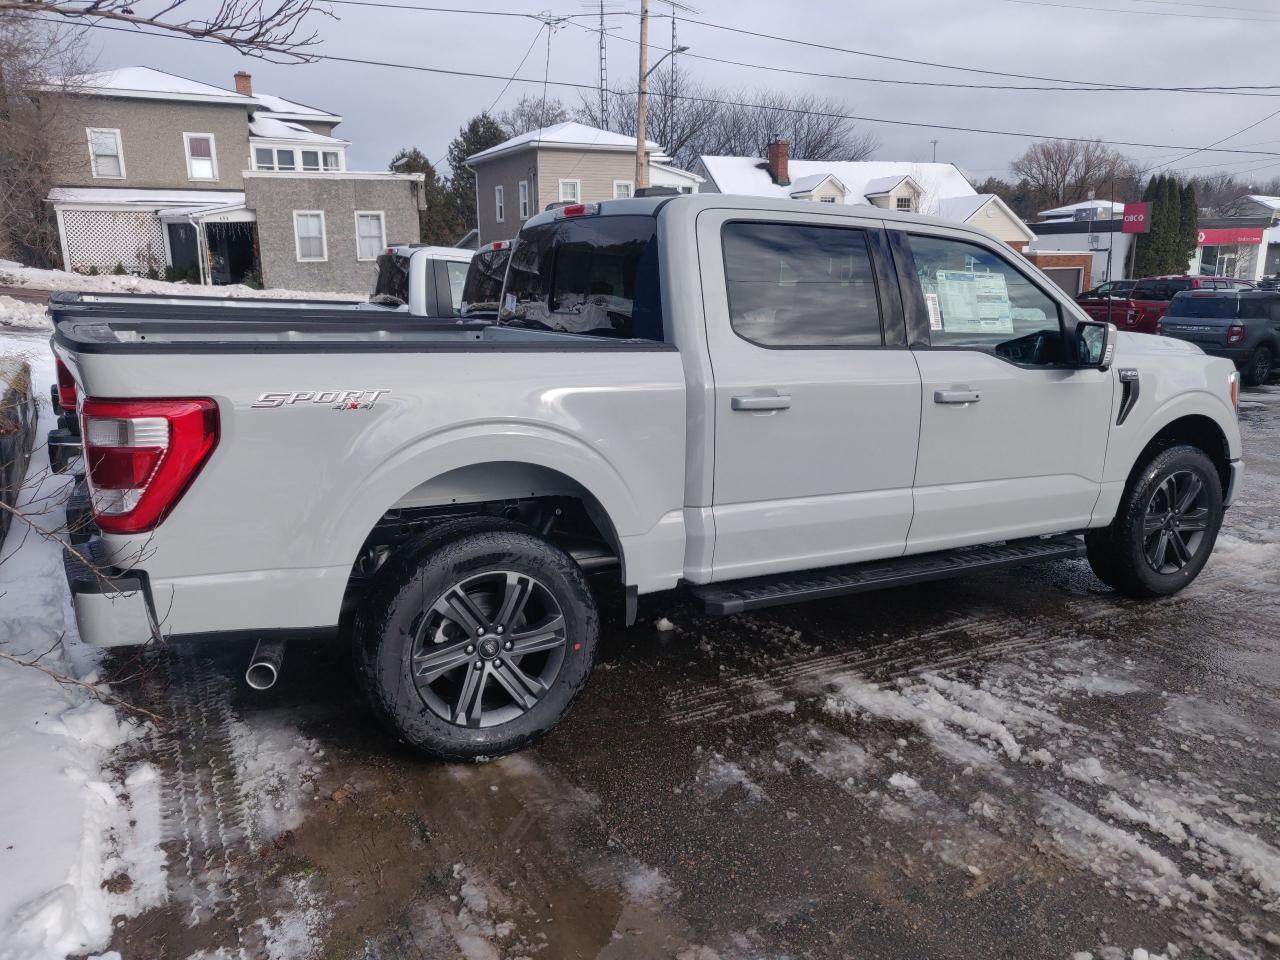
(567, 134)
(750, 176)
(292, 110)
(268, 127)
(961, 209)
(1271, 202)
(154, 199)
(151, 84)
(812, 182)
(883, 185)
(1069, 211)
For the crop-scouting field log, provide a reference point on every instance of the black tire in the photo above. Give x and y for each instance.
(402, 629)
(1152, 513)
(1258, 368)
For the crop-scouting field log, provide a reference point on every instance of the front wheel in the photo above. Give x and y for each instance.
(1166, 526)
(477, 640)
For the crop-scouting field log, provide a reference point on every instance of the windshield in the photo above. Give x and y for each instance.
(592, 275)
(483, 285)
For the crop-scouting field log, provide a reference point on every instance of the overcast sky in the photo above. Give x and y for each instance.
(1135, 42)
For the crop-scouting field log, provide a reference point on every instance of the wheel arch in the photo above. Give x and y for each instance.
(1194, 429)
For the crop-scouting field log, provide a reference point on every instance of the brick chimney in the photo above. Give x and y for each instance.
(244, 83)
(777, 161)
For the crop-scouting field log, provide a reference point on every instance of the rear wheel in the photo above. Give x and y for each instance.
(477, 640)
(1257, 369)
(1166, 526)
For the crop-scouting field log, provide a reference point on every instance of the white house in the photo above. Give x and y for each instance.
(937, 189)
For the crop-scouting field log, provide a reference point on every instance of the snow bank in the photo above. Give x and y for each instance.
(16, 275)
(22, 315)
(65, 827)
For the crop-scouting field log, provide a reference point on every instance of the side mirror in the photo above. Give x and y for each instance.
(1095, 344)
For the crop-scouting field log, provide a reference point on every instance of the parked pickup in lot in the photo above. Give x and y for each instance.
(1243, 326)
(1141, 309)
(762, 401)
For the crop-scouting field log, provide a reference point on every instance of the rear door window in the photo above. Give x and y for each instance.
(482, 287)
(393, 277)
(587, 275)
(797, 285)
(457, 280)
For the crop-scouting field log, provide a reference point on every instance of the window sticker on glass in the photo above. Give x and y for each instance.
(935, 315)
(974, 302)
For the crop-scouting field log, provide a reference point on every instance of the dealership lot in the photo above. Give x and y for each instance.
(1014, 765)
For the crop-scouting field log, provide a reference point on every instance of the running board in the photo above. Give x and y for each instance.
(755, 593)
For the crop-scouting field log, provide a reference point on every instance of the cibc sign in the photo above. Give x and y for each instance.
(1137, 218)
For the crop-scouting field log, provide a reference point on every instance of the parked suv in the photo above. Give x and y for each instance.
(1243, 326)
(1150, 298)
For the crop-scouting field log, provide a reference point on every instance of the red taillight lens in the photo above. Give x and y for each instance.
(66, 387)
(577, 210)
(141, 456)
(1235, 333)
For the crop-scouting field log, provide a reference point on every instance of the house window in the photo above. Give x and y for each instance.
(499, 204)
(286, 158)
(524, 199)
(310, 159)
(308, 234)
(904, 204)
(622, 189)
(826, 199)
(371, 234)
(264, 158)
(202, 163)
(105, 155)
(331, 160)
(570, 191)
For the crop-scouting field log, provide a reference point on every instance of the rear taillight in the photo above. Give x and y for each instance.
(66, 387)
(141, 456)
(569, 211)
(1235, 333)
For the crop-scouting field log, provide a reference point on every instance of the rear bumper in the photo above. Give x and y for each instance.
(1233, 482)
(113, 608)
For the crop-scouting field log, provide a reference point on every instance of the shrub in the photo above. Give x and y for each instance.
(119, 270)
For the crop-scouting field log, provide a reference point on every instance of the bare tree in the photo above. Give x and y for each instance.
(35, 145)
(271, 29)
(1059, 172)
(530, 113)
(706, 120)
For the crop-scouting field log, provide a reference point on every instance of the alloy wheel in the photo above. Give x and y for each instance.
(489, 649)
(1175, 523)
(1261, 365)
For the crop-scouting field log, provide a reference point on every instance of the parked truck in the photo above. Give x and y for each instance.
(756, 401)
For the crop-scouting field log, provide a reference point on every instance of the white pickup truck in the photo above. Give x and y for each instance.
(760, 401)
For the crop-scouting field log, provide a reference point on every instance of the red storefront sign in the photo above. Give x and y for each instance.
(1137, 218)
(1230, 236)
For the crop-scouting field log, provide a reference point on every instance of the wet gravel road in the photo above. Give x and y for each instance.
(1014, 765)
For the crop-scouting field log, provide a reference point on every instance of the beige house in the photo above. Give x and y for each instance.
(936, 189)
(566, 163)
(178, 177)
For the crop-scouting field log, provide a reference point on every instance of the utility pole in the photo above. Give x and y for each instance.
(935, 150)
(642, 105)
(604, 74)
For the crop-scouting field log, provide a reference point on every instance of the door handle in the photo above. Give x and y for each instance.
(766, 401)
(956, 396)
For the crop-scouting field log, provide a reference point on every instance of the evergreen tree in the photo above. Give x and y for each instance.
(480, 133)
(437, 223)
(1170, 219)
(1144, 264)
(1188, 225)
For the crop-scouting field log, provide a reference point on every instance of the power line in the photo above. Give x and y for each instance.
(1230, 136)
(1250, 92)
(477, 75)
(1142, 13)
(519, 67)
(949, 66)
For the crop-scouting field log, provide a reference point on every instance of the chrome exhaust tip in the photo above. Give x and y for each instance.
(265, 664)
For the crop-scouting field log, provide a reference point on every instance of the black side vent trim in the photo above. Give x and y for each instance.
(1129, 393)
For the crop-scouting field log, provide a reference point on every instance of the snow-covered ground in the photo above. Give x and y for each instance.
(15, 313)
(70, 828)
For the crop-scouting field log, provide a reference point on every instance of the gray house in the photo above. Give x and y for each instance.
(223, 186)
